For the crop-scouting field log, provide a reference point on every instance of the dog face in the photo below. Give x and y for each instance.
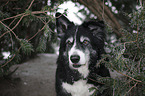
(81, 46)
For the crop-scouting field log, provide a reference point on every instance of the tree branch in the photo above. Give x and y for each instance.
(98, 8)
(124, 74)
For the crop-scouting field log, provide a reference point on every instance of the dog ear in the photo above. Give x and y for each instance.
(97, 28)
(62, 23)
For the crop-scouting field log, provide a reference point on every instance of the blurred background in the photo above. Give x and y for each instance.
(29, 44)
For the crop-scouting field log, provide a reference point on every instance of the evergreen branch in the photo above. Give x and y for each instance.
(10, 59)
(18, 22)
(9, 29)
(39, 31)
(132, 87)
(21, 46)
(101, 60)
(26, 46)
(45, 23)
(133, 41)
(127, 66)
(103, 10)
(17, 38)
(138, 66)
(34, 12)
(22, 15)
(4, 34)
(12, 17)
(12, 22)
(95, 81)
(11, 39)
(12, 28)
(124, 74)
(30, 4)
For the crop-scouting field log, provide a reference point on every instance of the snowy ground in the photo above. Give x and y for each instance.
(35, 77)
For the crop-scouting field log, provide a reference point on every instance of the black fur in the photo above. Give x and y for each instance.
(95, 30)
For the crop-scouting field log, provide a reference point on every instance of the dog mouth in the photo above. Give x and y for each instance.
(77, 65)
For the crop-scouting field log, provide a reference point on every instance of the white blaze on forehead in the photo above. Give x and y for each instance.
(84, 60)
(82, 38)
(84, 56)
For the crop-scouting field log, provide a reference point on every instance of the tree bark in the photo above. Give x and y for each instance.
(103, 12)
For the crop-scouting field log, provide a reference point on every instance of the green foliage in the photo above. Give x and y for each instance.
(35, 28)
(29, 21)
(43, 40)
(26, 47)
(127, 58)
(2, 27)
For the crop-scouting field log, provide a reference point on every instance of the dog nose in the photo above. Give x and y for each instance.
(75, 58)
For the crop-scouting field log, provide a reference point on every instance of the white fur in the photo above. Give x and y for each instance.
(79, 88)
(84, 56)
(84, 59)
(84, 70)
(84, 38)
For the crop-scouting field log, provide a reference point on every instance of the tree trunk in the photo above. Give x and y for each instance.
(103, 12)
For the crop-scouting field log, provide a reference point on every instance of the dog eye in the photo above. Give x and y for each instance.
(85, 42)
(69, 43)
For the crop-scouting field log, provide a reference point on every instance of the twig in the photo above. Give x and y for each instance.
(45, 23)
(23, 14)
(18, 22)
(38, 31)
(34, 12)
(12, 17)
(138, 66)
(103, 10)
(12, 28)
(20, 47)
(30, 4)
(12, 22)
(11, 39)
(10, 59)
(9, 29)
(132, 41)
(132, 87)
(4, 34)
(101, 61)
(18, 14)
(124, 74)
(95, 81)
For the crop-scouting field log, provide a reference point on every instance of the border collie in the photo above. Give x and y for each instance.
(80, 49)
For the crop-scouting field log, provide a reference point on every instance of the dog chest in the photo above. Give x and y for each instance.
(78, 88)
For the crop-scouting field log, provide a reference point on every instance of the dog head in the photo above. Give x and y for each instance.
(80, 46)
